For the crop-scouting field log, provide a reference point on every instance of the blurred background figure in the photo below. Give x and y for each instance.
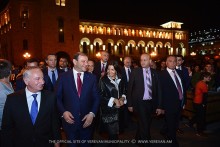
(163, 65)
(212, 83)
(101, 66)
(63, 64)
(5, 86)
(42, 65)
(153, 65)
(91, 65)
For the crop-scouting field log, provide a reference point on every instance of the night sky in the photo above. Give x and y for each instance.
(195, 16)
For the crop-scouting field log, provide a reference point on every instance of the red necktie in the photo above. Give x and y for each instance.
(79, 84)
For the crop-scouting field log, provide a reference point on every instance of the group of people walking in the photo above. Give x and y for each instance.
(73, 99)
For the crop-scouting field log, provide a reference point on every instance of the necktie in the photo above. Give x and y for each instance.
(128, 74)
(178, 86)
(149, 85)
(79, 84)
(53, 77)
(103, 67)
(34, 108)
(129, 71)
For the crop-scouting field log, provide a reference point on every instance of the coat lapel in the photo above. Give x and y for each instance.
(25, 105)
(42, 108)
(85, 83)
(72, 83)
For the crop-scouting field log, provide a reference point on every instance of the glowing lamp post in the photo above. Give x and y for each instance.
(26, 55)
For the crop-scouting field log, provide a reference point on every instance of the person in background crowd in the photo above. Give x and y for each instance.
(186, 80)
(91, 65)
(195, 76)
(5, 86)
(63, 64)
(125, 75)
(30, 116)
(135, 64)
(144, 96)
(100, 70)
(163, 65)
(42, 65)
(112, 90)
(174, 98)
(51, 69)
(20, 82)
(212, 83)
(199, 104)
(101, 66)
(78, 101)
(153, 65)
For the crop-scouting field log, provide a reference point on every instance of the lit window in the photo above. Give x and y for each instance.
(60, 2)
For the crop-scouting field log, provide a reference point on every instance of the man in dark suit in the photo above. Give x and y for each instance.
(173, 94)
(30, 115)
(51, 70)
(186, 80)
(78, 100)
(63, 64)
(101, 66)
(125, 74)
(20, 82)
(144, 96)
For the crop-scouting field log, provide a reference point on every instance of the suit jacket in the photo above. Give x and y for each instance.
(21, 85)
(186, 78)
(45, 72)
(108, 90)
(97, 70)
(170, 95)
(124, 76)
(17, 127)
(135, 90)
(68, 99)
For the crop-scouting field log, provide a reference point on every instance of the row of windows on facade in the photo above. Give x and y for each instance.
(129, 32)
(140, 49)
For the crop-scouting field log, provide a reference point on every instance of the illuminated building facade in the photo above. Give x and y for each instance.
(34, 28)
(132, 40)
(38, 27)
(205, 42)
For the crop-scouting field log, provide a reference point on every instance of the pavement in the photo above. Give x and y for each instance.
(188, 139)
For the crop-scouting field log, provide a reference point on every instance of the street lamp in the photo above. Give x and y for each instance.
(26, 55)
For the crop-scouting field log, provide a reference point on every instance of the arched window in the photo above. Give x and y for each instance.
(109, 48)
(85, 48)
(130, 49)
(120, 48)
(97, 46)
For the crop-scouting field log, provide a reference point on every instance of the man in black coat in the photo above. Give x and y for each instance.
(144, 96)
(30, 115)
(174, 96)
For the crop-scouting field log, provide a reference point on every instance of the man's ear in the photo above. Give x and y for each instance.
(26, 81)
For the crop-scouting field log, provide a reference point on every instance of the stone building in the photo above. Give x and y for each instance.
(38, 27)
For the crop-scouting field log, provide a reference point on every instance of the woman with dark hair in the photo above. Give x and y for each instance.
(113, 98)
(5, 85)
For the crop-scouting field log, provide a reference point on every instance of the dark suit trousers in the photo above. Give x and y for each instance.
(144, 114)
(171, 121)
(199, 117)
(79, 134)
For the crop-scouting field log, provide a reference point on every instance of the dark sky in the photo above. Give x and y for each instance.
(195, 16)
